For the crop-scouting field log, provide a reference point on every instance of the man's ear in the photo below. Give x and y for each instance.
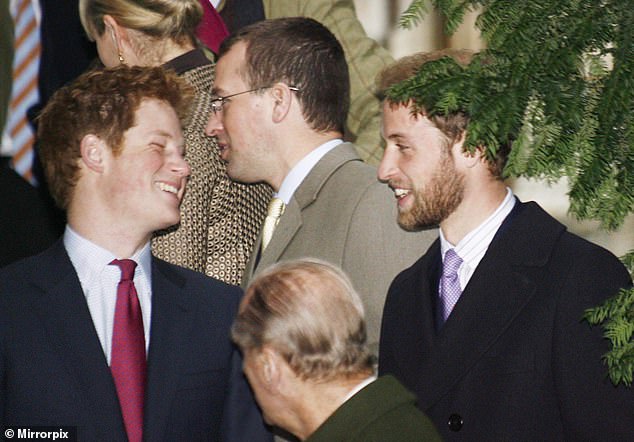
(92, 152)
(469, 159)
(272, 369)
(282, 97)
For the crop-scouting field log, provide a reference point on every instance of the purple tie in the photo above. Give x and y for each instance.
(450, 290)
(127, 361)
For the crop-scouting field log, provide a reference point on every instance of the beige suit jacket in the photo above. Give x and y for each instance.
(342, 214)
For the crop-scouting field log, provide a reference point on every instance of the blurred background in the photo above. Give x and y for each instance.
(380, 20)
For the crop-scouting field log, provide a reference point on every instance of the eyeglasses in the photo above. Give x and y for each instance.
(217, 103)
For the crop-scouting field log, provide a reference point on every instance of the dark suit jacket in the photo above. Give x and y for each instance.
(383, 411)
(53, 370)
(66, 53)
(514, 361)
(28, 225)
(6, 61)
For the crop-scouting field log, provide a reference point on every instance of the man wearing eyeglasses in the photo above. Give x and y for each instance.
(282, 97)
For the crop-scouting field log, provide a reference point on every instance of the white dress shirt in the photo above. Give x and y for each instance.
(475, 244)
(99, 280)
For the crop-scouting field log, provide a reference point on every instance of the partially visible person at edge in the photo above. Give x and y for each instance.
(486, 328)
(302, 332)
(365, 57)
(96, 333)
(220, 219)
(30, 221)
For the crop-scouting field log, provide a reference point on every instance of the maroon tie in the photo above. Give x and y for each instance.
(211, 30)
(127, 362)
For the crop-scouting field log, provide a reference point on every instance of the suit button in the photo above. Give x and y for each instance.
(455, 422)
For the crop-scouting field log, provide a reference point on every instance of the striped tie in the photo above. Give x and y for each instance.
(24, 94)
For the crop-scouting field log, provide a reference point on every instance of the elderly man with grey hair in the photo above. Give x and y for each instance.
(301, 328)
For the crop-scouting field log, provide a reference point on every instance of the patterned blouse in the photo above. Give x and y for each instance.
(220, 219)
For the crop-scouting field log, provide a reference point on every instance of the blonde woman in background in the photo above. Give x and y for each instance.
(220, 219)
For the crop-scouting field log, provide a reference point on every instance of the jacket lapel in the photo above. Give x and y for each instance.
(416, 295)
(493, 298)
(289, 224)
(308, 191)
(169, 330)
(304, 196)
(254, 260)
(500, 288)
(64, 312)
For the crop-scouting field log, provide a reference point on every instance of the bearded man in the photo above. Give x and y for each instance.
(486, 327)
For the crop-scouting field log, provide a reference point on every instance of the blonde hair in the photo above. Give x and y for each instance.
(159, 19)
(308, 311)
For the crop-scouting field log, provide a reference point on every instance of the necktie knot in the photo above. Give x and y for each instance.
(127, 267)
(452, 263)
(276, 208)
(274, 212)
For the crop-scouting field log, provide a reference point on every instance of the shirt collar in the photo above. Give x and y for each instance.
(89, 259)
(490, 225)
(302, 169)
(360, 386)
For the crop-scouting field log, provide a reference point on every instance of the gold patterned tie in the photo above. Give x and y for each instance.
(275, 211)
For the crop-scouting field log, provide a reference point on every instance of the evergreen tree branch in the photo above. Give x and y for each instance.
(558, 82)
